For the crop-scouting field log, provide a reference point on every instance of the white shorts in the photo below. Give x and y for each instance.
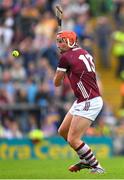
(88, 109)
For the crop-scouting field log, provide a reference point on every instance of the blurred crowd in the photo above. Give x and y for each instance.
(28, 99)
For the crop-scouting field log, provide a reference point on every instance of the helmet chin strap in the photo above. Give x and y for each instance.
(68, 42)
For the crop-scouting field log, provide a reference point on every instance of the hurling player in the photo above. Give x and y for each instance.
(79, 66)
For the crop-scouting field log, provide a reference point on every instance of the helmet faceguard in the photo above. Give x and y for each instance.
(66, 40)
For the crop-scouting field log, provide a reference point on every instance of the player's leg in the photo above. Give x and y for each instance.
(76, 143)
(77, 129)
(64, 127)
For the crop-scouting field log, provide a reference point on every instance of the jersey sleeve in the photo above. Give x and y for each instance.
(63, 64)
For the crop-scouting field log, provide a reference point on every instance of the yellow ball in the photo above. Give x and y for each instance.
(15, 53)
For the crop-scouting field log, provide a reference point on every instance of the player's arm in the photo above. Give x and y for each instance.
(61, 70)
(58, 78)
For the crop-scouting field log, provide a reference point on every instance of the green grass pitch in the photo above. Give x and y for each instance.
(58, 169)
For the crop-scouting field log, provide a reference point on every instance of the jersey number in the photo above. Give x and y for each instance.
(88, 61)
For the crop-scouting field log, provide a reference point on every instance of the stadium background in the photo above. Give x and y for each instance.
(31, 108)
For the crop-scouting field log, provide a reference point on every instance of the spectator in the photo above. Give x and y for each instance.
(18, 71)
(118, 49)
(118, 12)
(11, 129)
(31, 88)
(8, 85)
(4, 100)
(103, 31)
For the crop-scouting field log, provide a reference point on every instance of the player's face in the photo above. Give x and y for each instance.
(62, 45)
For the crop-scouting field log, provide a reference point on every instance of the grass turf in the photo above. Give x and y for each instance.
(58, 169)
